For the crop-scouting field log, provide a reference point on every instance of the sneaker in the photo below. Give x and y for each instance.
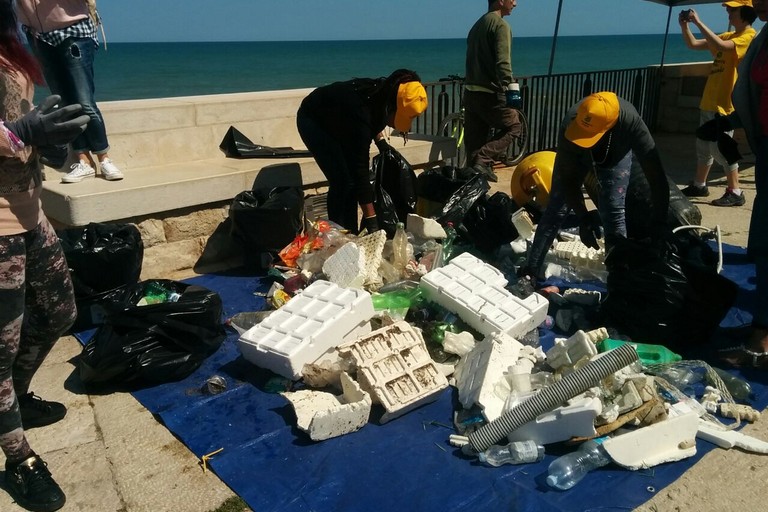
(695, 191)
(32, 486)
(110, 170)
(36, 412)
(485, 171)
(79, 172)
(730, 199)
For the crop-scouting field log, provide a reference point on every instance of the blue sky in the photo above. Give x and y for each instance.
(273, 20)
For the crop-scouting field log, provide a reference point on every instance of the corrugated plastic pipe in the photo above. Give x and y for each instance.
(548, 398)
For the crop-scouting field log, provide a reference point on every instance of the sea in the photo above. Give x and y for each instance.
(156, 70)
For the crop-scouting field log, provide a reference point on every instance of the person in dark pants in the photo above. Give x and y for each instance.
(488, 74)
(602, 133)
(37, 301)
(337, 123)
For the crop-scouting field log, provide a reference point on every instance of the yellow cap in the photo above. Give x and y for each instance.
(411, 103)
(596, 114)
(532, 179)
(738, 3)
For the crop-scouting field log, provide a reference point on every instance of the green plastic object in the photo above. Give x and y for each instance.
(648, 353)
(396, 300)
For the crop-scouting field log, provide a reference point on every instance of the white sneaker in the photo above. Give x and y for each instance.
(110, 170)
(79, 172)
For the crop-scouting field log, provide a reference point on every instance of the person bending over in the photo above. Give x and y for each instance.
(337, 123)
(602, 134)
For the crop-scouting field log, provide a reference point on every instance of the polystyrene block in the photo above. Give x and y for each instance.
(346, 267)
(319, 318)
(324, 415)
(479, 372)
(581, 256)
(475, 291)
(394, 366)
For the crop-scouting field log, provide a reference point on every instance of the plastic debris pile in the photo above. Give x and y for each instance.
(362, 322)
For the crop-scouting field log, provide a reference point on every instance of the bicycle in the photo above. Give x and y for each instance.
(452, 126)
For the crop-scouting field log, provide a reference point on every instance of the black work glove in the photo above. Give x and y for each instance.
(47, 126)
(712, 129)
(590, 229)
(53, 156)
(371, 224)
(382, 145)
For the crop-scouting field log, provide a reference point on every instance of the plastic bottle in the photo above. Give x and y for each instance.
(400, 248)
(568, 470)
(738, 388)
(450, 238)
(516, 452)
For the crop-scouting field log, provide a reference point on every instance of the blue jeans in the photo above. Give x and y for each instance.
(68, 70)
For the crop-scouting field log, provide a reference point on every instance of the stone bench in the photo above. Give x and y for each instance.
(169, 152)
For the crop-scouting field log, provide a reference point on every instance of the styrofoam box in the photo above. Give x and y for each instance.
(475, 291)
(319, 318)
(395, 367)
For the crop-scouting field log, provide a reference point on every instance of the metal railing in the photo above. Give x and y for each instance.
(547, 98)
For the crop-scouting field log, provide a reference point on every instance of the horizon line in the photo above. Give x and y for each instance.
(378, 39)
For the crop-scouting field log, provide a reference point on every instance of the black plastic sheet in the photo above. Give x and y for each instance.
(236, 145)
(265, 220)
(150, 344)
(102, 259)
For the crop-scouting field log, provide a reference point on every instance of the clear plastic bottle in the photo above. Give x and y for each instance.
(450, 238)
(568, 470)
(738, 388)
(400, 248)
(516, 452)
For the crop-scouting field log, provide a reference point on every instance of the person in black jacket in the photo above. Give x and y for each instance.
(337, 123)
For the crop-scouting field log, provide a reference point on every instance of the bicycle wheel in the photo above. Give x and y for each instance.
(519, 147)
(452, 126)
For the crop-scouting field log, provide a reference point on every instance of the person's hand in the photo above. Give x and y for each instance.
(590, 229)
(47, 126)
(53, 156)
(371, 224)
(712, 129)
(382, 145)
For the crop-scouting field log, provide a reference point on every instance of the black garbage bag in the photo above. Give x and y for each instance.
(638, 204)
(435, 186)
(102, 259)
(489, 222)
(666, 292)
(236, 145)
(265, 220)
(392, 175)
(462, 201)
(142, 345)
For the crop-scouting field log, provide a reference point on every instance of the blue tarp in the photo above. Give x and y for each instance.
(406, 464)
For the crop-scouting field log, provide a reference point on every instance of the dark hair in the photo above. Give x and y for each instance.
(13, 55)
(748, 13)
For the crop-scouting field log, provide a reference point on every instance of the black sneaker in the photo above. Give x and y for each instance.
(485, 171)
(695, 191)
(730, 199)
(32, 486)
(36, 412)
